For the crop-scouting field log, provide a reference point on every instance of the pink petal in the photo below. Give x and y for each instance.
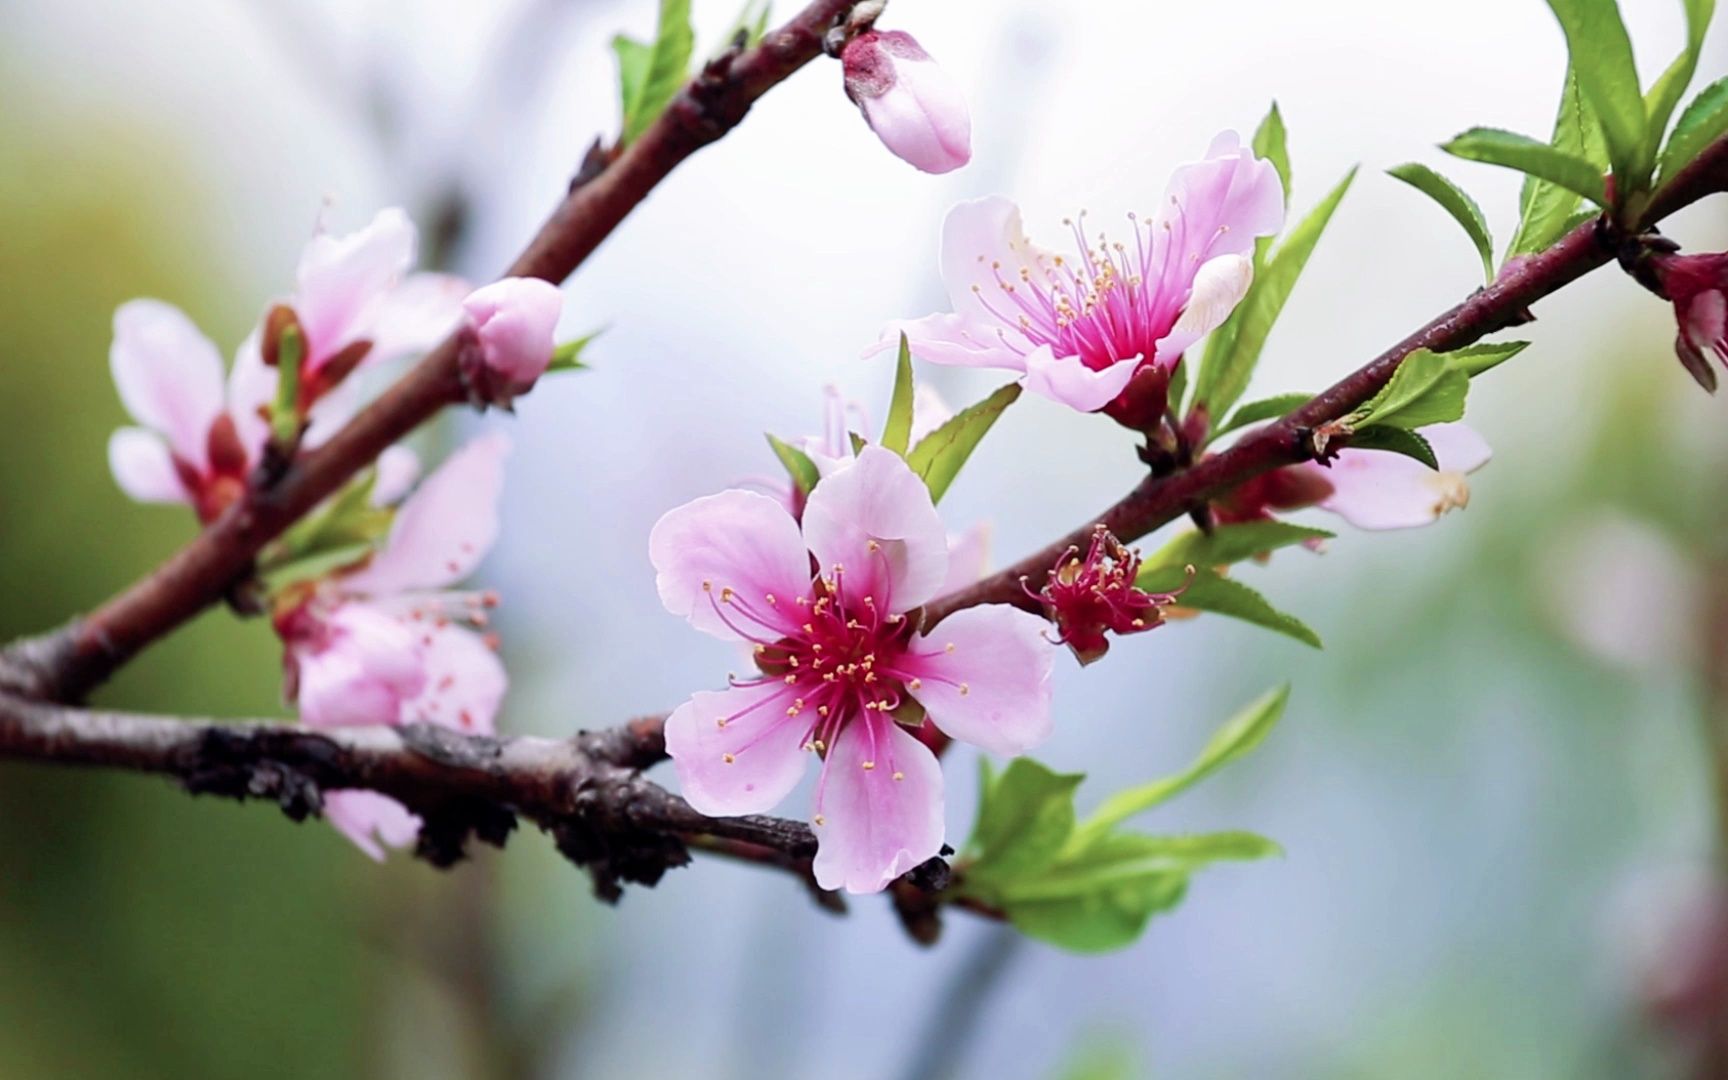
(414, 316)
(357, 668)
(445, 528)
(875, 519)
(1377, 489)
(372, 821)
(968, 558)
(921, 117)
(1222, 204)
(875, 823)
(514, 320)
(465, 681)
(929, 411)
(141, 466)
(961, 340)
(1218, 286)
(983, 675)
(343, 281)
(746, 765)
(251, 388)
(984, 245)
(1066, 380)
(1457, 446)
(398, 468)
(169, 375)
(735, 540)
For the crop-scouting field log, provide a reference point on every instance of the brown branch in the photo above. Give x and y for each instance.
(1161, 499)
(66, 664)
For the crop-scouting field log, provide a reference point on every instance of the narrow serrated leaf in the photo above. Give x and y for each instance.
(1024, 820)
(1671, 85)
(1473, 360)
(1227, 544)
(1426, 389)
(1546, 209)
(1271, 143)
(897, 432)
(1397, 441)
(1238, 735)
(1455, 201)
(1601, 54)
(939, 455)
(799, 467)
(1703, 122)
(1491, 146)
(1226, 372)
(664, 70)
(1264, 409)
(1211, 591)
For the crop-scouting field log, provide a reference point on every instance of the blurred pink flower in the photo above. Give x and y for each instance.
(842, 670)
(512, 322)
(1698, 287)
(388, 642)
(911, 104)
(199, 440)
(1078, 330)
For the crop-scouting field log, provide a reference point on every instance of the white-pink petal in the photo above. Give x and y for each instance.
(142, 467)
(983, 675)
(875, 519)
(736, 751)
(372, 821)
(984, 246)
(444, 528)
(1068, 381)
(738, 541)
(465, 681)
(962, 339)
(169, 375)
(342, 280)
(357, 669)
(878, 808)
(413, 316)
(968, 557)
(1378, 489)
(397, 469)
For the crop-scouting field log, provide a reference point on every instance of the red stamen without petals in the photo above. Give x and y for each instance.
(1088, 597)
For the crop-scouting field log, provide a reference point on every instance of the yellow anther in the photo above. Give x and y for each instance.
(726, 595)
(965, 689)
(915, 684)
(899, 776)
(727, 758)
(869, 765)
(948, 647)
(770, 598)
(707, 586)
(872, 546)
(819, 820)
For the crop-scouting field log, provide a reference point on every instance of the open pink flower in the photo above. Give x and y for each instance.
(909, 102)
(841, 664)
(512, 322)
(1371, 489)
(1079, 329)
(389, 642)
(357, 303)
(198, 439)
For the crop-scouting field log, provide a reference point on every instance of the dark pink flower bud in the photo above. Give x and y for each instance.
(912, 105)
(1087, 597)
(1698, 287)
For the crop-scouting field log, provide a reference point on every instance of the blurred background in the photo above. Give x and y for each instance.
(1494, 787)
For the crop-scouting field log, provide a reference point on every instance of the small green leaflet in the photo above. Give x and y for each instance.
(1703, 122)
(1473, 360)
(345, 526)
(1025, 816)
(939, 455)
(1426, 389)
(897, 433)
(650, 76)
(1212, 591)
(1491, 146)
(1601, 54)
(1264, 409)
(1227, 544)
(568, 356)
(1666, 93)
(1271, 143)
(1396, 440)
(1455, 201)
(748, 27)
(1546, 209)
(1241, 733)
(1228, 365)
(799, 467)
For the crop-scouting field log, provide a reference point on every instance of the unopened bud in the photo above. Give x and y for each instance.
(510, 324)
(913, 106)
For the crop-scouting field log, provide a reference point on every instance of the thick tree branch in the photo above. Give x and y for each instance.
(67, 664)
(1159, 500)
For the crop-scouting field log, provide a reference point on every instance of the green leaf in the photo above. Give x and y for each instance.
(651, 75)
(799, 467)
(1426, 389)
(346, 525)
(898, 431)
(747, 27)
(1211, 591)
(1492, 146)
(568, 356)
(1226, 371)
(939, 455)
(1230, 543)
(1239, 734)
(1546, 209)
(1455, 201)
(1665, 94)
(1473, 360)
(1109, 916)
(1601, 54)
(1396, 440)
(1025, 817)
(1264, 409)
(1702, 123)
(1271, 143)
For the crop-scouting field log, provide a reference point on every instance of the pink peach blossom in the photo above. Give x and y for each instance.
(911, 104)
(1078, 330)
(842, 669)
